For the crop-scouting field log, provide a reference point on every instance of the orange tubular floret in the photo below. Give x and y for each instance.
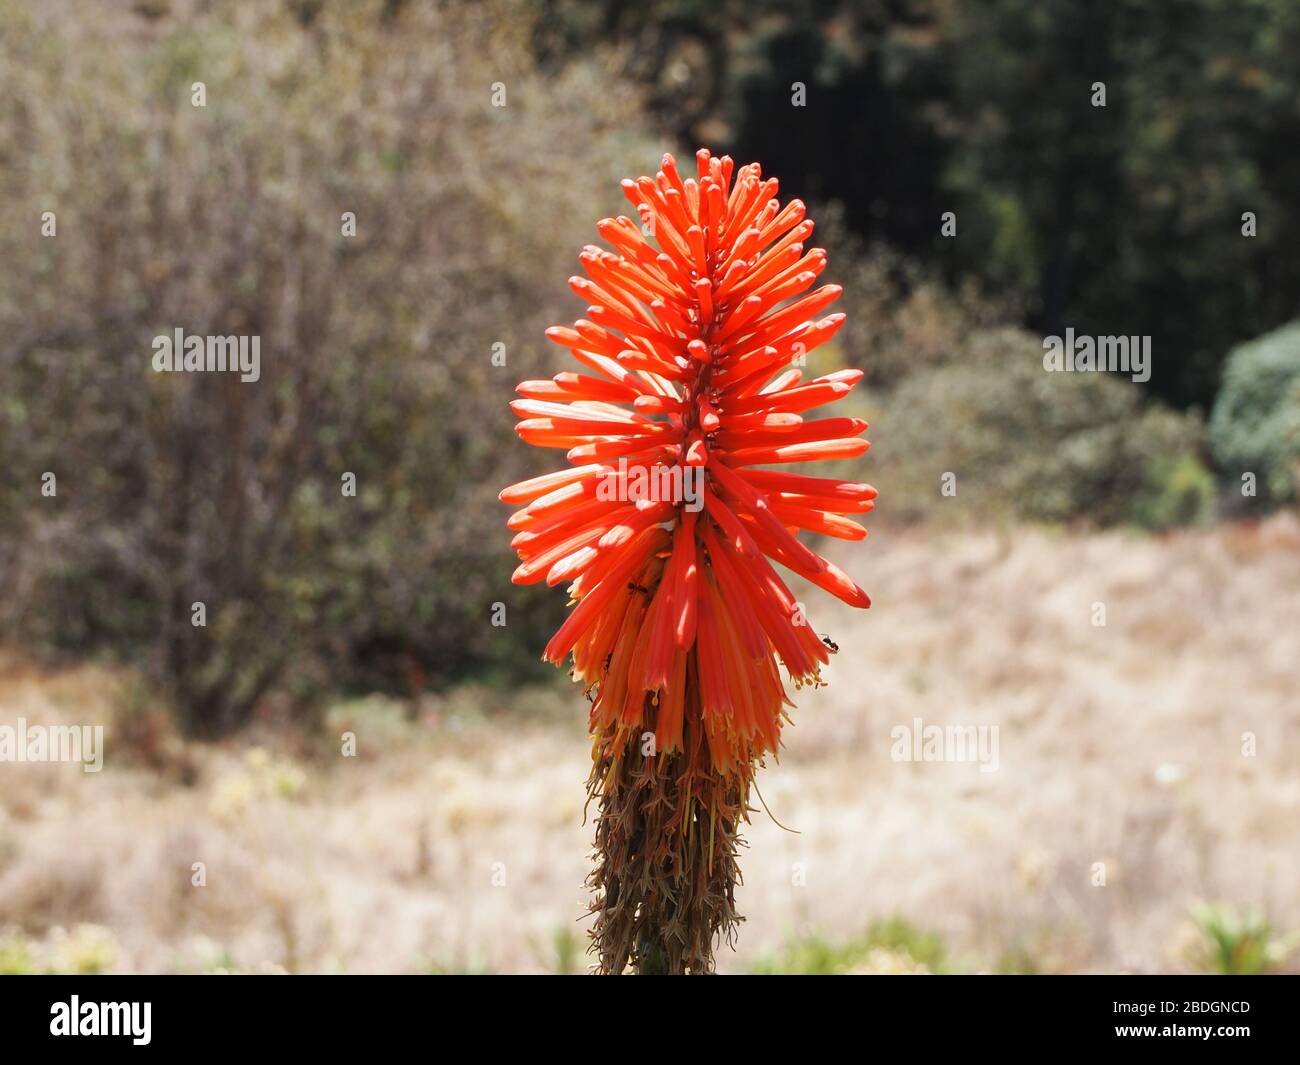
(832, 449)
(525, 491)
(559, 521)
(779, 480)
(820, 521)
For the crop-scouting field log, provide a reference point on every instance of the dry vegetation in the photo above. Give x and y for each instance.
(1119, 744)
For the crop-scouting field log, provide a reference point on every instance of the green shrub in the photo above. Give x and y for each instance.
(1046, 446)
(1238, 943)
(892, 945)
(1179, 491)
(1255, 425)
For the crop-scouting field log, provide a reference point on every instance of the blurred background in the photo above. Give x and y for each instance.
(1143, 815)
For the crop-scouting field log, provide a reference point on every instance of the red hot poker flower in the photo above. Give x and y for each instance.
(666, 529)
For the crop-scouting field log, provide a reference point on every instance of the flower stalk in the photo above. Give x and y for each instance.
(696, 346)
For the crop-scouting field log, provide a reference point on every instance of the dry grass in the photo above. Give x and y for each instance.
(1120, 745)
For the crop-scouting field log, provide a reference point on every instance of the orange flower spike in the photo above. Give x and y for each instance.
(664, 528)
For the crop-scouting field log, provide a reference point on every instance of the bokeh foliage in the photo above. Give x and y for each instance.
(1051, 447)
(1255, 427)
(376, 349)
(1116, 220)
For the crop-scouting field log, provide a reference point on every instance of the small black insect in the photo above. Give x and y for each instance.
(830, 643)
(632, 586)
